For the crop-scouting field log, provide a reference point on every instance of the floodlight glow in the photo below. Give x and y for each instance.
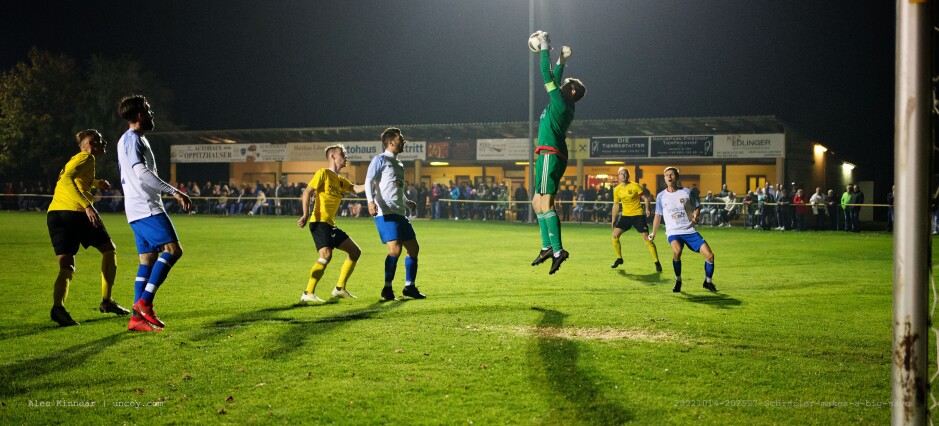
(847, 167)
(819, 149)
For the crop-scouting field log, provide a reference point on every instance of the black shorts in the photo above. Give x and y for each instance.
(68, 229)
(638, 222)
(326, 235)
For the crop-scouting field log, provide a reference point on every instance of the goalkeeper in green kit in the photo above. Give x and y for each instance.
(552, 150)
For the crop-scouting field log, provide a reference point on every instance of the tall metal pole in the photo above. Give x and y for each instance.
(531, 114)
(911, 247)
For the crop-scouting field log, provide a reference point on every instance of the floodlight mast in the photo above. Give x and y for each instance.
(911, 248)
(531, 116)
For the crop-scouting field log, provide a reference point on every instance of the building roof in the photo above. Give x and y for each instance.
(464, 131)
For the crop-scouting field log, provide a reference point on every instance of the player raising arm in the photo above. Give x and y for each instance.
(552, 150)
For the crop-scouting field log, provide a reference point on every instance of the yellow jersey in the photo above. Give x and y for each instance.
(329, 188)
(629, 195)
(76, 180)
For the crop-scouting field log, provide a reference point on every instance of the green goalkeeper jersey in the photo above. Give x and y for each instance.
(558, 115)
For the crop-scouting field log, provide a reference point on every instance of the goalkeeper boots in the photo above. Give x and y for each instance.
(709, 286)
(61, 316)
(617, 262)
(542, 256)
(558, 260)
(412, 292)
(658, 266)
(145, 310)
(111, 307)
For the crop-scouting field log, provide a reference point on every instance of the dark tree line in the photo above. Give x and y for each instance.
(48, 98)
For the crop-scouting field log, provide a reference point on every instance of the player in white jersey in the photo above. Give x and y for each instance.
(384, 189)
(676, 205)
(157, 244)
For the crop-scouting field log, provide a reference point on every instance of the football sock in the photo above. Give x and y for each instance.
(617, 248)
(108, 271)
(347, 267)
(543, 228)
(676, 265)
(554, 230)
(316, 272)
(143, 273)
(60, 291)
(708, 270)
(410, 270)
(652, 250)
(391, 263)
(161, 268)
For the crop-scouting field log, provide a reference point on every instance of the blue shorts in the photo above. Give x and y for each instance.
(151, 233)
(693, 241)
(394, 227)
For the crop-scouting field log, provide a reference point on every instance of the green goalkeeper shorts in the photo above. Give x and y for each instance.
(549, 168)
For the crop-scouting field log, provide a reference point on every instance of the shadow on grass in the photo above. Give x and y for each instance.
(16, 378)
(717, 300)
(653, 278)
(574, 396)
(29, 329)
(298, 330)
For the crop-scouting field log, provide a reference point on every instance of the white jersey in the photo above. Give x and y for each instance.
(388, 193)
(675, 209)
(140, 200)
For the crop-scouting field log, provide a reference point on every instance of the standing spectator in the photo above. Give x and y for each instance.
(858, 200)
(422, 200)
(818, 208)
(388, 205)
(521, 203)
(455, 195)
(801, 210)
(157, 242)
(73, 221)
(831, 205)
(783, 201)
(846, 199)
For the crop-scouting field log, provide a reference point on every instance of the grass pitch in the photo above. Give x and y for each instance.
(800, 332)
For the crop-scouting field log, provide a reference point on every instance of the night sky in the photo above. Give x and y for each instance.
(825, 68)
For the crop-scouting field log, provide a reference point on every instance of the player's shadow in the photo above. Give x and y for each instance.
(653, 278)
(29, 329)
(16, 378)
(717, 300)
(298, 329)
(573, 394)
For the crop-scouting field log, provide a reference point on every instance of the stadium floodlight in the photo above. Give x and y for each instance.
(820, 149)
(847, 167)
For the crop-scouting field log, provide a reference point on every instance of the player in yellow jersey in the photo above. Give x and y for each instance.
(73, 221)
(629, 194)
(327, 186)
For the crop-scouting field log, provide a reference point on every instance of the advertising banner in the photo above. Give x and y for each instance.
(750, 146)
(514, 149)
(619, 147)
(682, 146)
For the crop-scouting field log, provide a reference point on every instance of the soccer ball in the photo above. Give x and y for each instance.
(534, 42)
